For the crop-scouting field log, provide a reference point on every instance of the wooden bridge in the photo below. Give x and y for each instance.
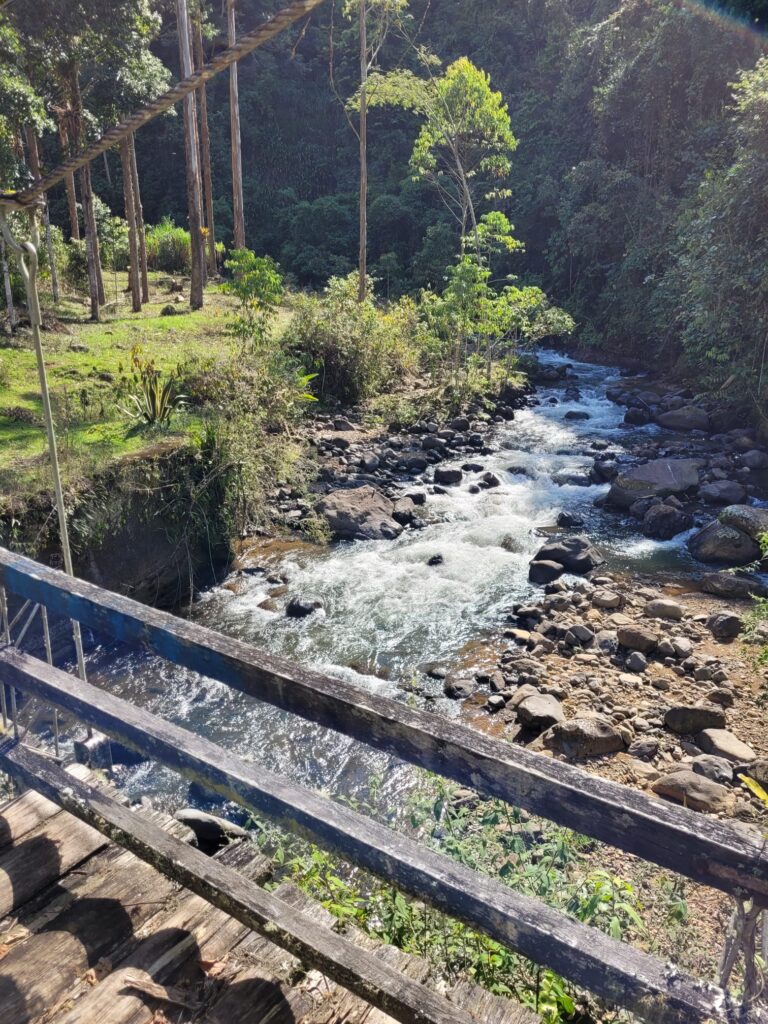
(137, 860)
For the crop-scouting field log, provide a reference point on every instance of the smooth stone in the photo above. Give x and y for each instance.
(686, 719)
(684, 786)
(583, 737)
(540, 711)
(664, 608)
(722, 743)
(725, 626)
(638, 637)
(717, 769)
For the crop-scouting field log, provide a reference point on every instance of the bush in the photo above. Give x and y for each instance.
(357, 349)
(74, 269)
(168, 248)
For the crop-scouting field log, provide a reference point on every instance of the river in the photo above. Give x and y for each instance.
(388, 612)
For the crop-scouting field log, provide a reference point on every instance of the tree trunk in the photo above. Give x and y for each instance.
(363, 251)
(34, 166)
(8, 288)
(205, 150)
(139, 221)
(234, 123)
(91, 240)
(192, 153)
(69, 182)
(130, 216)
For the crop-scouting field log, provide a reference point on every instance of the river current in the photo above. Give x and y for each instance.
(390, 614)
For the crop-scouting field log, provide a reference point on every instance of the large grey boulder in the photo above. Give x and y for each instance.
(748, 518)
(693, 790)
(687, 719)
(663, 522)
(656, 479)
(689, 417)
(540, 711)
(575, 554)
(723, 743)
(723, 492)
(725, 584)
(638, 637)
(583, 737)
(718, 542)
(359, 513)
(755, 459)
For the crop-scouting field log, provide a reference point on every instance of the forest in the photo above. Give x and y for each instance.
(636, 184)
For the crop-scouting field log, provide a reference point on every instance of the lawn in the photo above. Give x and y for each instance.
(86, 363)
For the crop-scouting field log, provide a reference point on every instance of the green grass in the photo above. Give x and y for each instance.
(85, 362)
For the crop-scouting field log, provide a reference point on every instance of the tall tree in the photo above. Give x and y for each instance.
(238, 208)
(134, 276)
(192, 153)
(34, 166)
(205, 150)
(69, 183)
(143, 270)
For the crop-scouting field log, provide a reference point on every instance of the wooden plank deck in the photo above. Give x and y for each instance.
(91, 934)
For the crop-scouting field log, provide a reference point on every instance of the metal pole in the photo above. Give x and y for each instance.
(27, 254)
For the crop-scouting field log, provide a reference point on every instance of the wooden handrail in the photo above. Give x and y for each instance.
(614, 971)
(704, 849)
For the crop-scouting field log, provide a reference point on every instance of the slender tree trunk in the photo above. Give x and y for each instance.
(205, 150)
(91, 249)
(69, 182)
(34, 166)
(363, 252)
(139, 221)
(8, 289)
(192, 153)
(234, 123)
(130, 216)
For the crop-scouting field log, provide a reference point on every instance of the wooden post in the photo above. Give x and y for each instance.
(139, 220)
(7, 283)
(91, 240)
(194, 197)
(34, 166)
(130, 216)
(234, 123)
(363, 253)
(205, 149)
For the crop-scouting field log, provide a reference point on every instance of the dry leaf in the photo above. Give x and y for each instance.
(213, 968)
(4, 950)
(159, 1018)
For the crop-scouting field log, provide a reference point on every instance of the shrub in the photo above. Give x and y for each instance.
(357, 349)
(74, 269)
(168, 248)
(257, 284)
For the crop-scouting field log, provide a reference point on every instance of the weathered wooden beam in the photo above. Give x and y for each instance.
(613, 970)
(314, 944)
(709, 851)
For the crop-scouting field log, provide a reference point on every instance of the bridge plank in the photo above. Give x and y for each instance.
(613, 970)
(20, 816)
(709, 851)
(314, 944)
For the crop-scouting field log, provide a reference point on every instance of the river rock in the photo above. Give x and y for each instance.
(755, 459)
(724, 625)
(540, 711)
(569, 521)
(747, 518)
(404, 511)
(663, 522)
(607, 599)
(688, 417)
(637, 662)
(718, 542)
(576, 554)
(658, 478)
(302, 605)
(717, 769)
(687, 719)
(448, 475)
(757, 770)
(723, 492)
(664, 608)
(576, 415)
(544, 570)
(359, 513)
(211, 832)
(726, 584)
(722, 743)
(638, 637)
(583, 737)
(684, 786)
(459, 689)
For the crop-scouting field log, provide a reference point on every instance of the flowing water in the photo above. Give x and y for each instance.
(387, 612)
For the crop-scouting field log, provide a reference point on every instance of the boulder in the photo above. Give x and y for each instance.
(747, 518)
(583, 737)
(637, 662)
(576, 415)
(755, 459)
(544, 571)
(459, 689)
(448, 475)
(726, 584)
(717, 769)
(638, 637)
(607, 599)
(302, 605)
(722, 743)
(687, 719)
(576, 554)
(688, 417)
(663, 522)
(723, 492)
(686, 787)
(717, 542)
(540, 711)
(724, 625)
(359, 513)
(211, 832)
(404, 511)
(569, 521)
(757, 770)
(658, 478)
(664, 608)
